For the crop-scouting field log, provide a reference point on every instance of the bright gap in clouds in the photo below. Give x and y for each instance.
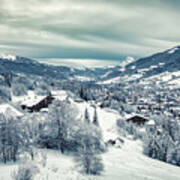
(79, 63)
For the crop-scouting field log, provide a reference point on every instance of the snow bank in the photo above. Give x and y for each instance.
(5, 107)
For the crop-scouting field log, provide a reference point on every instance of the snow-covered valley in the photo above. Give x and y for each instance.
(111, 123)
(125, 161)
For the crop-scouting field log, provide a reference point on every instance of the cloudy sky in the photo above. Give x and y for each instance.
(88, 29)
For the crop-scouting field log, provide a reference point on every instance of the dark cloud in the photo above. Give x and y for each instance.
(98, 29)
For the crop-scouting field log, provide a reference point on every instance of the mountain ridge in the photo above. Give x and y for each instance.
(168, 60)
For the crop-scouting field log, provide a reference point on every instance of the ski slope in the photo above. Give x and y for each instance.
(107, 119)
(128, 163)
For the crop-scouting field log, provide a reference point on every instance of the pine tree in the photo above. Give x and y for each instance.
(95, 118)
(81, 93)
(86, 116)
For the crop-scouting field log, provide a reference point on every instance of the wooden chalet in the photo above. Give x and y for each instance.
(42, 104)
(137, 120)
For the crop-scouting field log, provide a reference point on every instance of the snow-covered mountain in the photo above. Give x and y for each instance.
(127, 61)
(167, 62)
(23, 65)
(17, 64)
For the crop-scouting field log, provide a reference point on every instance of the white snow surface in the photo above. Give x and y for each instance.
(133, 67)
(127, 61)
(171, 51)
(30, 99)
(109, 81)
(122, 78)
(8, 57)
(83, 78)
(171, 78)
(151, 122)
(126, 162)
(106, 74)
(175, 82)
(5, 107)
(107, 120)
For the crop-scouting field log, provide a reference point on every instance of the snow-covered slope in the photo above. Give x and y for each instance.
(126, 162)
(146, 68)
(27, 66)
(6, 109)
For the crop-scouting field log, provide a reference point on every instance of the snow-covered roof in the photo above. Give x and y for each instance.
(142, 130)
(44, 110)
(32, 99)
(5, 107)
(151, 123)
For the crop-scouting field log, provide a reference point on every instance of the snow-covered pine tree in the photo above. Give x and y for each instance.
(3, 138)
(163, 143)
(173, 155)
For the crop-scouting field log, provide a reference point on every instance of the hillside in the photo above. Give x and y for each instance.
(149, 67)
(110, 123)
(126, 161)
